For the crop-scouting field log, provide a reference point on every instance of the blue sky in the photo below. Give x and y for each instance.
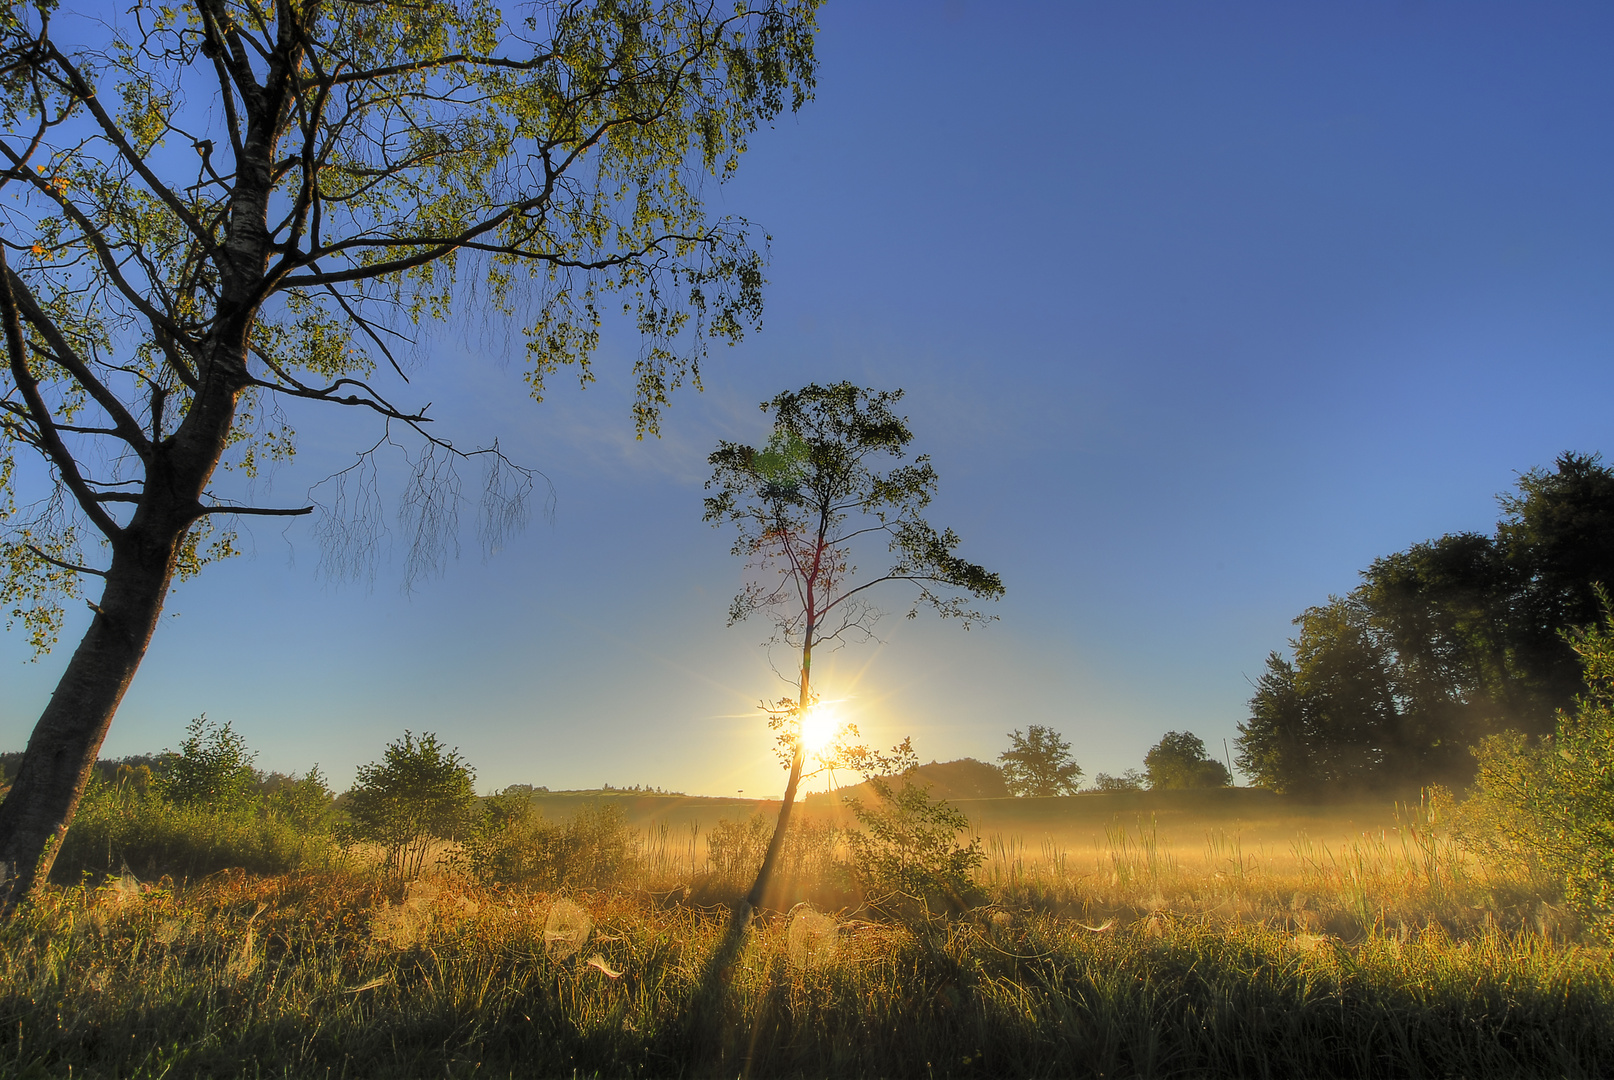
(1198, 310)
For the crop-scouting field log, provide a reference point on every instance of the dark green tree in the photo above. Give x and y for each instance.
(1442, 645)
(832, 479)
(418, 792)
(1440, 615)
(1276, 746)
(1039, 763)
(213, 207)
(1178, 761)
(1556, 538)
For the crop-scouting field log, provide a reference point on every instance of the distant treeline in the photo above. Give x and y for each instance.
(106, 769)
(1441, 645)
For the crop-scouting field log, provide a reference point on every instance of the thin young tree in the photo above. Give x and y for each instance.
(214, 207)
(832, 479)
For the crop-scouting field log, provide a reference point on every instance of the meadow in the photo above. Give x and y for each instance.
(1150, 937)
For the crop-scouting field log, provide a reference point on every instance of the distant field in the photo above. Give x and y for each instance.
(1187, 825)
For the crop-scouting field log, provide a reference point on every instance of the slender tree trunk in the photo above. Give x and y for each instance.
(765, 875)
(61, 753)
(63, 747)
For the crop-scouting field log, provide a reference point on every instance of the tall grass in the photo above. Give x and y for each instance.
(306, 975)
(117, 830)
(1396, 952)
(1415, 874)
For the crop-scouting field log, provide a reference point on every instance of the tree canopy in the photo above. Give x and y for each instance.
(1039, 763)
(215, 208)
(1178, 761)
(1442, 644)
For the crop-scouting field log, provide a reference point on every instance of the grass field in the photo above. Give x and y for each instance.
(1136, 940)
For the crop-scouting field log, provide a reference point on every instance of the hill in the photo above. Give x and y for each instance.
(965, 778)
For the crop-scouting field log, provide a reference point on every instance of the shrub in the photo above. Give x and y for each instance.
(907, 856)
(212, 767)
(512, 843)
(505, 845)
(304, 802)
(1551, 803)
(118, 828)
(418, 792)
(204, 809)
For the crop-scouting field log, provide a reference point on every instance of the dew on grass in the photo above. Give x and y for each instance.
(812, 938)
(566, 929)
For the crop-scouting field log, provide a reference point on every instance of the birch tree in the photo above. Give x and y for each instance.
(214, 207)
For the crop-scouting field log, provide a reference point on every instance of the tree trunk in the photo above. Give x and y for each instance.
(753, 899)
(62, 750)
(765, 874)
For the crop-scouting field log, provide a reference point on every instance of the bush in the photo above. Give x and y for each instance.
(512, 843)
(118, 828)
(417, 793)
(1550, 804)
(304, 802)
(212, 767)
(202, 810)
(907, 857)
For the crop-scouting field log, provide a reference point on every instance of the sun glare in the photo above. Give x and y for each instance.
(819, 726)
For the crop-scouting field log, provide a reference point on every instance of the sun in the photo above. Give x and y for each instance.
(819, 726)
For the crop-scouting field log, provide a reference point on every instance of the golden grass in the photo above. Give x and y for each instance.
(1392, 951)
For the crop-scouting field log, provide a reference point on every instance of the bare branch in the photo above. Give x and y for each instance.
(45, 425)
(74, 567)
(63, 354)
(259, 511)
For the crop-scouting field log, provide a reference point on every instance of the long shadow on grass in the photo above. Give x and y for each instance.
(713, 1017)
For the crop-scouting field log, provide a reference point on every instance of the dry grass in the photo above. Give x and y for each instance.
(1393, 953)
(1392, 880)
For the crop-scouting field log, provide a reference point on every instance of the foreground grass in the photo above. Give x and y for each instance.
(316, 975)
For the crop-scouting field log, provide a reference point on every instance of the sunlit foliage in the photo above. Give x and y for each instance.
(1551, 802)
(418, 792)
